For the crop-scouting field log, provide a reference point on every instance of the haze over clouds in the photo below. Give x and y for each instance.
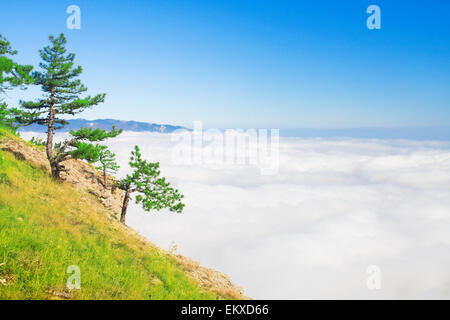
(335, 207)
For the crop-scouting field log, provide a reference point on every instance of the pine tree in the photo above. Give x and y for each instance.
(5, 115)
(154, 192)
(12, 75)
(108, 164)
(80, 146)
(62, 91)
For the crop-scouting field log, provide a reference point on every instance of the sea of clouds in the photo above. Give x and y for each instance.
(334, 208)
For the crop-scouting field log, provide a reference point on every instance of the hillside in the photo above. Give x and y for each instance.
(47, 226)
(106, 124)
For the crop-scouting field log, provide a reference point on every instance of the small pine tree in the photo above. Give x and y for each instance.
(154, 192)
(108, 164)
(62, 92)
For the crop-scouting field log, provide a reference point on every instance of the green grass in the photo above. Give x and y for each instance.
(6, 131)
(10, 133)
(46, 226)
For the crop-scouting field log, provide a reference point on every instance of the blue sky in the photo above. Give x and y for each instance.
(283, 64)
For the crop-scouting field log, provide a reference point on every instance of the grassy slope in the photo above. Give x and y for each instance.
(47, 226)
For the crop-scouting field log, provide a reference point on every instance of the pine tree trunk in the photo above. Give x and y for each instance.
(126, 199)
(104, 178)
(55, 169)
(49, 147)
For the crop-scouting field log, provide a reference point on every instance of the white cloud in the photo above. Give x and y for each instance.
(334, 208)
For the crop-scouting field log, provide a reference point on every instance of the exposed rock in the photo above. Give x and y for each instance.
(6, 280)
(210, 279)
(85, 177)
(60, 295)
(23, 151)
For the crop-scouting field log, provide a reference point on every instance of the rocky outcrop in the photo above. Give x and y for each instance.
(210, 279)
(84, 176)
(78, 173)
(23, 151)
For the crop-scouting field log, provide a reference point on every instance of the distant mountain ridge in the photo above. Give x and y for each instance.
(106, 124)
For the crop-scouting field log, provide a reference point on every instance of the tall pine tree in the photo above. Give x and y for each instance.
(62, 91)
